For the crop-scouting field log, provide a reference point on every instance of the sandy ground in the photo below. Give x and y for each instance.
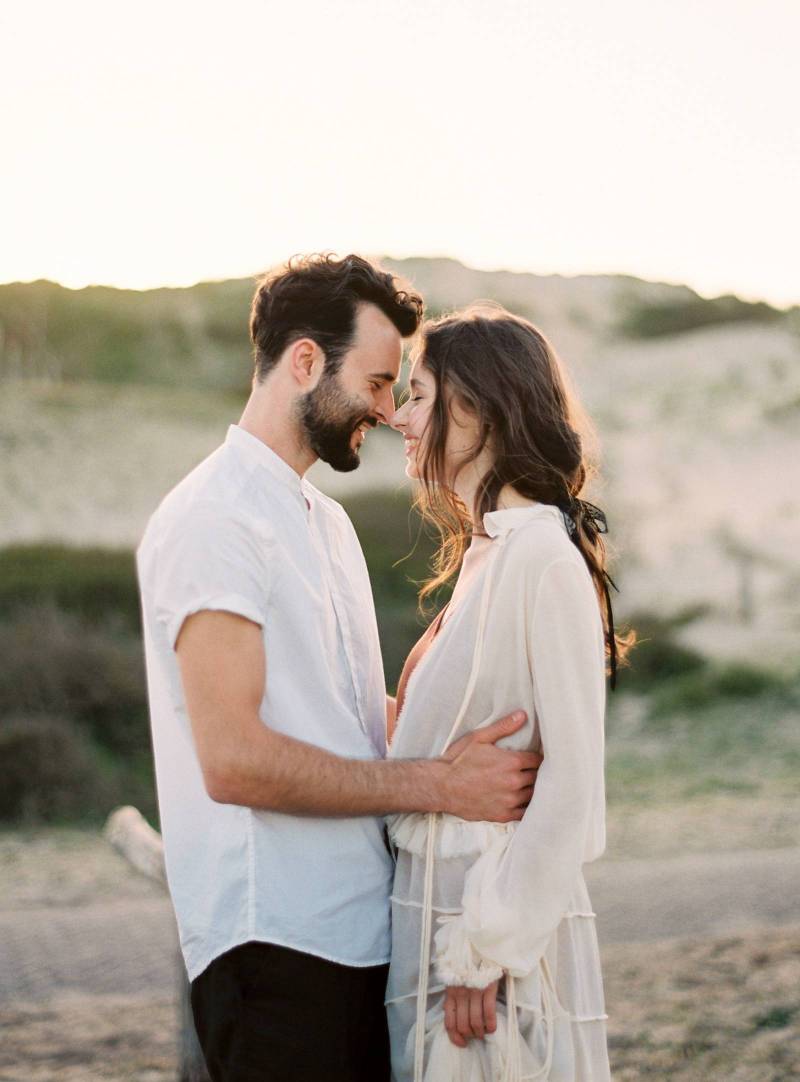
(701, 960)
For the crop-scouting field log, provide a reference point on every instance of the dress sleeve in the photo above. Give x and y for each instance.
(518, 891)
(212, 560)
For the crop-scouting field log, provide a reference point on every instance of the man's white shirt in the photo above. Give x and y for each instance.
(242, 533)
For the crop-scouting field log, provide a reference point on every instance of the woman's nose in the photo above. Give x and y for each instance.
(398, 419)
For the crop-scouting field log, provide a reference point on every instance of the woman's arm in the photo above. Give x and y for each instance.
(516, 893)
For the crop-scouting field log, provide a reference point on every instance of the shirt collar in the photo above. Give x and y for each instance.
(257, 452)
(497, 523)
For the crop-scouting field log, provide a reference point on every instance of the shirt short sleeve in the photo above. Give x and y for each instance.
(212, 559)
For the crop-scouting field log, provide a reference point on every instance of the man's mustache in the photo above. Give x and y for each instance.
(371, 421)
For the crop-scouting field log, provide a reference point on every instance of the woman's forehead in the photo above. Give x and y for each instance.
(419, 373)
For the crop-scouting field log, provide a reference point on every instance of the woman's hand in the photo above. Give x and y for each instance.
(470, 1012)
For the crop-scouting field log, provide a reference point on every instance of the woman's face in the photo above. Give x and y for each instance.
(414, 419)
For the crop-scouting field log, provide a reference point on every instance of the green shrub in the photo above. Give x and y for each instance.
(397, 550)
(91, 582)
(657, 656)
(159, 336)
(644, 320)
(54, 663)
(48, 771)
(398, 554)
(714, 683)
(775, 1018)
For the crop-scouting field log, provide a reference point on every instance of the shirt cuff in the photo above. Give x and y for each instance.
(234, 603)
(456, 961)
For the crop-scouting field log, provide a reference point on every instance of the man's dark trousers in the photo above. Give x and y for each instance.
(265, 1013)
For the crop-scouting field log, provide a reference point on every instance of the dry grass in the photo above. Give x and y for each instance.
(722, 1010)
(75, 1038)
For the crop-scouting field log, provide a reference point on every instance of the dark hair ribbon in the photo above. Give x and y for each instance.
(594, 522)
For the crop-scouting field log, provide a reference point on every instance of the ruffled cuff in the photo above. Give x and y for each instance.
(456, 962)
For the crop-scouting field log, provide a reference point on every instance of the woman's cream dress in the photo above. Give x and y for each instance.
(474, 902)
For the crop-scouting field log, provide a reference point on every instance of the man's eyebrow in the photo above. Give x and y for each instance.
(385, 377)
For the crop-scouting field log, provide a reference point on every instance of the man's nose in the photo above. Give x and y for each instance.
(386, 410)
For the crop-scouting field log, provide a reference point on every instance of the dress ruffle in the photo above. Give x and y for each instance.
(454, 837)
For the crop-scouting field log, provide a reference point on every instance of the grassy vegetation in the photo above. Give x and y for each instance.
(73, 707)
(746, 746)
(198, 335)
(161, 336)
(644, 320)
(90, 583)
(74, 733)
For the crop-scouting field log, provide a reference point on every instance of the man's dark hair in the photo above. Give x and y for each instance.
(317, 297)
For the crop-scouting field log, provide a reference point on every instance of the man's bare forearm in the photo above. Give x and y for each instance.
(278, 773)
(223, 670)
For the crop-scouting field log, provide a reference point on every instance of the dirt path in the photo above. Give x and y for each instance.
(112, 948)
(698, 895)
(115, 934)
(88, 965)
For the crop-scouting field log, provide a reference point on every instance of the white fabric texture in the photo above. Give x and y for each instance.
(476, 901)
(244, 534)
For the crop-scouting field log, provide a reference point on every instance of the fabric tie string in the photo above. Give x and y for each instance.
(594, 521)
(427, 912)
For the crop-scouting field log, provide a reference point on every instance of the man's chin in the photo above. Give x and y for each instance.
(346, 467)
(343, 461)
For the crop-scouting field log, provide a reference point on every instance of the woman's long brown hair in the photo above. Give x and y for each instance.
(504, 371)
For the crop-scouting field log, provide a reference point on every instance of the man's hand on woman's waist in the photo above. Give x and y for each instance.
(487, 783)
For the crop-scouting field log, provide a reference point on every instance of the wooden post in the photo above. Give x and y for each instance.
(133, 837)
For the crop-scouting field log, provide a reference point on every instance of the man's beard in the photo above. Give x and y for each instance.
(328, 418)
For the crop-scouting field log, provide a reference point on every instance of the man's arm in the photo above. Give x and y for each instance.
(223, 670)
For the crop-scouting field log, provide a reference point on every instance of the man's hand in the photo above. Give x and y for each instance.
(486, 783)
(470, 1012)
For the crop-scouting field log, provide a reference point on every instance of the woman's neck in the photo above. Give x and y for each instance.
(509, 497)
(468, 485)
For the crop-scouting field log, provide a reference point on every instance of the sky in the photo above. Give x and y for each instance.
(162, 143)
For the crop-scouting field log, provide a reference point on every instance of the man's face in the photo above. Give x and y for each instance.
(337, 414)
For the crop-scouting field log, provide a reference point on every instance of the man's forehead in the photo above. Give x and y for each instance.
(378, 346)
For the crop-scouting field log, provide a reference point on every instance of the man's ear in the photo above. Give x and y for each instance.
(306, 363)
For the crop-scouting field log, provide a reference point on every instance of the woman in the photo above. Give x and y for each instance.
(495, 970)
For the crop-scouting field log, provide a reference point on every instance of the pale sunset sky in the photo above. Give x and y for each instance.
(162, 143)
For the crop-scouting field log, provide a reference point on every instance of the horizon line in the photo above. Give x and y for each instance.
(781, 304)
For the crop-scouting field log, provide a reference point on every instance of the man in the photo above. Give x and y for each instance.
(268, 705)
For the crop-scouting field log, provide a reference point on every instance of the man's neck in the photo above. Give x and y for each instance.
(273, 424)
